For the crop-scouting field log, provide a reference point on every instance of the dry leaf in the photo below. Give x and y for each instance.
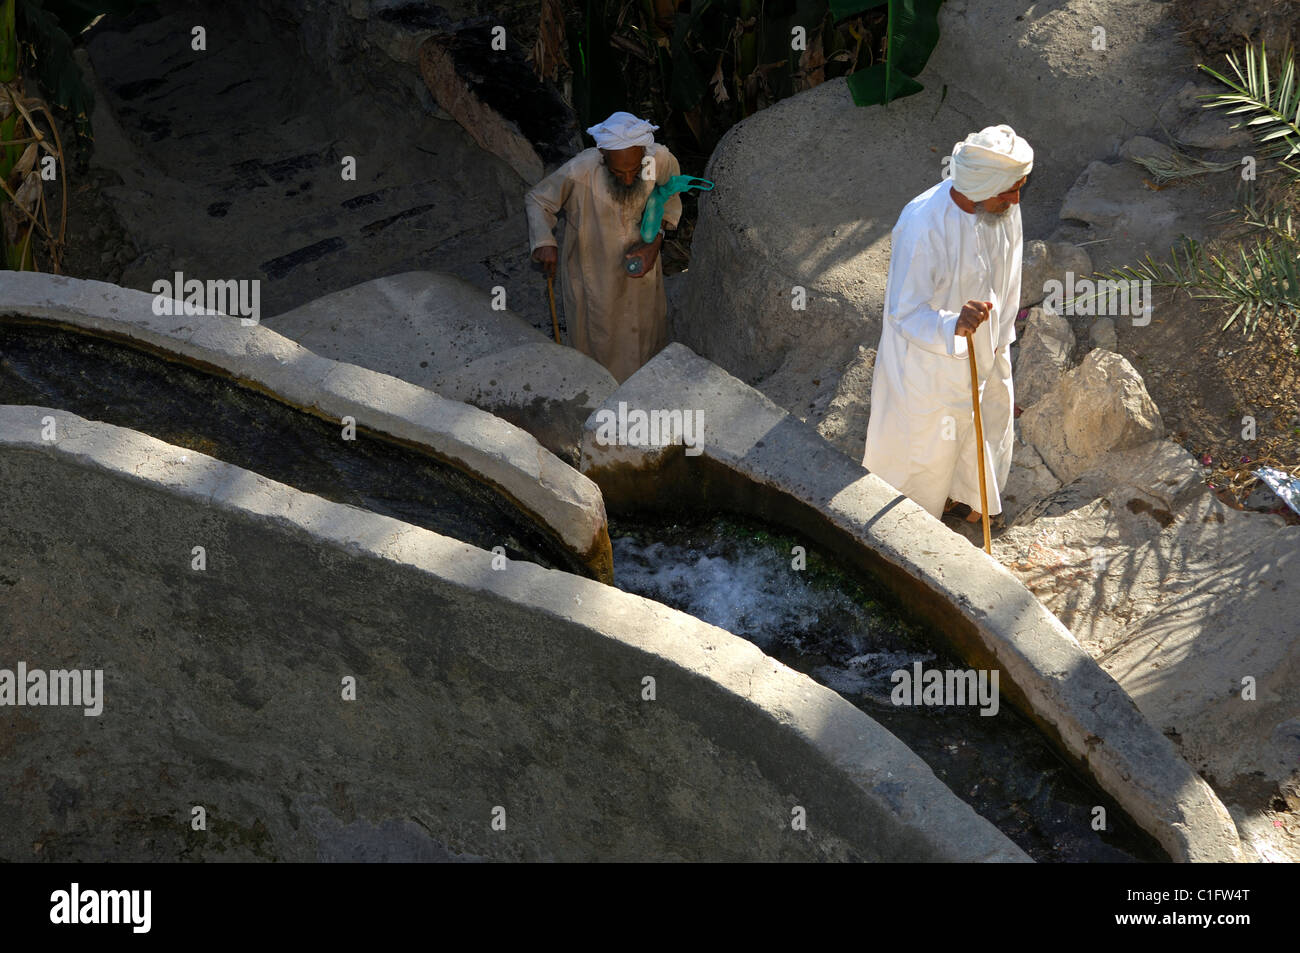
(28, 192)
(812, 63)
(25, 163)
(719, 84)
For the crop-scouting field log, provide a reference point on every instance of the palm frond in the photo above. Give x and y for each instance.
(1274, 107)
(1179, 165)
(1264, 277)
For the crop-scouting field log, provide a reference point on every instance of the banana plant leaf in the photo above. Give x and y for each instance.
(913, 34)
(48, 26)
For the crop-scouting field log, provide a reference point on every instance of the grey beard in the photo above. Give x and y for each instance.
(627, 195)
(991, 219)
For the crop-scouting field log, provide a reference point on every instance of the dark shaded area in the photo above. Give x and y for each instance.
(1000, 765)
(504, 81)
(279, 267)
(103, 380)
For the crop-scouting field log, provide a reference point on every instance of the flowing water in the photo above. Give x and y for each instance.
(102, 380)
(849, 636)
(818, 620)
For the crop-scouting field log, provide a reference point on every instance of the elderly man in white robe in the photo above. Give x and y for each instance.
(953, 284)
(618, 318)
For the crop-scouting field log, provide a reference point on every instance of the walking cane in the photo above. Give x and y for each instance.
(979, 441)
(550, 293)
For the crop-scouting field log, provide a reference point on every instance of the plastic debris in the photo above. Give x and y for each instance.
(1283, 484)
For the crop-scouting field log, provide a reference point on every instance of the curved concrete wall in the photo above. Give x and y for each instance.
(755, 458)
(491, 450)
(476, 690)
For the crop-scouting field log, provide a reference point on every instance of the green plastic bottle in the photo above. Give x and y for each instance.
(653, 217)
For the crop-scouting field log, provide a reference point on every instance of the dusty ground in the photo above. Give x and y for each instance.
(1215, 27)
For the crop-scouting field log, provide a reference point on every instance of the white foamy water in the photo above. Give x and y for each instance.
(752, 590)
(868, 674)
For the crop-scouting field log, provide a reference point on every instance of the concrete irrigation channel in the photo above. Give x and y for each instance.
(591, 723)
(748, 456)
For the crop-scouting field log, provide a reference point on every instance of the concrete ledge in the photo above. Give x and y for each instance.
(757, 459)
(476, 689)
(442, 333)
(491, 450)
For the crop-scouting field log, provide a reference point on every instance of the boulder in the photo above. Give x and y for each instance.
(1225, 612)
(1162, 472)
(1180, 597)
(1124, 205)
(1047, 261)
(1099, 406)
(1045, 348)
(542, 387)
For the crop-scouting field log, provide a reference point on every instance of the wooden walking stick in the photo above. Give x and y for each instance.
(550, 293)
(979, 441)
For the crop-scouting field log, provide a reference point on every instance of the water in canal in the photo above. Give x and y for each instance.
(848, 635)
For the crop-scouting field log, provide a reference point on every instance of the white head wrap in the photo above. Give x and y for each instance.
(623, 131)
(989, 162)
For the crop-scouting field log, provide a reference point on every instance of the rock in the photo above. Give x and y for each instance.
(1224, 610)
(1263, 499)
(542, 387)
(1166, 475)
(1028, 482)
(1045, 348)
(845, 423)
(1188, 120)
(1047, 261)
(1102, 334)
(1117, 201)
(1099, 406)
(238, 189)
(1179, 598)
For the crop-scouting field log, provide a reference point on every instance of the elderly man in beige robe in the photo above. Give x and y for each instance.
(620, 319)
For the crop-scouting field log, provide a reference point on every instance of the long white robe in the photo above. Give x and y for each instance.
(921, 435)
(620, 320)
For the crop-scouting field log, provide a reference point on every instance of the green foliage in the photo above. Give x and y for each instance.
(1274, 108)
(36, 41)
(46, 29)
(717, 61)
(1263, 276)
(912, 32)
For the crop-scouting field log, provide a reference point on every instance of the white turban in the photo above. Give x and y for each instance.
(623, 131)
(989, 162)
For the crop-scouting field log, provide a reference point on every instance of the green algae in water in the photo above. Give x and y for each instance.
(848, 634)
